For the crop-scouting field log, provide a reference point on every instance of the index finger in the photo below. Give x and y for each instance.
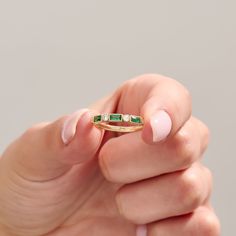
(164, 103)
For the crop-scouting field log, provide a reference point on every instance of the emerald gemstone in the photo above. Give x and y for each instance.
(97, 118)
(136, 119)
(115, 117)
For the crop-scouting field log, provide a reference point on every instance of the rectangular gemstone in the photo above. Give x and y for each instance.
(136, 119)
(97, 118)
(115, 117)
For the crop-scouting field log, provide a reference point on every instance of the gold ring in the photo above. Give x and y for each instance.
(103, 121)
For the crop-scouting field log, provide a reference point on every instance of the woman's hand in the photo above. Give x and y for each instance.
(70, 178)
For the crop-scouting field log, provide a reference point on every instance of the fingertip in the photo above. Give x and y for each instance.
(157, 128)
(147, 133)
(86, 140)
(69, 126)
(86, 131)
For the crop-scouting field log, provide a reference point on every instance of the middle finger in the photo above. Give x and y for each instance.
(128, 158)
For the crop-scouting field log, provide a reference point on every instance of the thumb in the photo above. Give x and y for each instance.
(48, 150)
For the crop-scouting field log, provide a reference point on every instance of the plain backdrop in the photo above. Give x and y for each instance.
(57, 56)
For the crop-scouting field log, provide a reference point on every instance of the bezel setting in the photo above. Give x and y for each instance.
(126, 117)
(114, 117)
(105, 117)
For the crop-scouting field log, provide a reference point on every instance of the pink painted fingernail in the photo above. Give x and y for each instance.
(69, 126)
(161, 125)
(141, 230)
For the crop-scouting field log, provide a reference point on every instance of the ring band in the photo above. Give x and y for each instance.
(102, 121)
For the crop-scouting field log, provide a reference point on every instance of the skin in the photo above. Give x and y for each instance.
(105, 183)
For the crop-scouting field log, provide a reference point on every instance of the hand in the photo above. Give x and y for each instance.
(68, 177)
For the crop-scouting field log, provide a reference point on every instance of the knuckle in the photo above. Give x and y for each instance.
(187, 94)
(185, 148)
(149, 76)
(38, 135)
(182, 90)
(206, 131)
(31, 131)
(209, 177)
(208, 173)
(190, 191)
(209, 225)
(206, 137)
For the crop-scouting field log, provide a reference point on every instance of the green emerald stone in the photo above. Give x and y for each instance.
(97, 118)
(136, 119)
(115, 117)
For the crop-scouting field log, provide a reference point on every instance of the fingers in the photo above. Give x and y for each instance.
(48, 150)
(165, 111)
(83, 138)
(122, 163)
(163, 102)
(202, 222)
(165, 196)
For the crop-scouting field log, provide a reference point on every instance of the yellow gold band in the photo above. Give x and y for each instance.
(102, 121)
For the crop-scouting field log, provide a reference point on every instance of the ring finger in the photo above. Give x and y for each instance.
(202, 222)
(165, 196)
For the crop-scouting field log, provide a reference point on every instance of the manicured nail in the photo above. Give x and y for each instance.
(141, 230)
(161, 125)
(69, 126)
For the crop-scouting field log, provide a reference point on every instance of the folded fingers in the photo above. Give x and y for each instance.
(166, 196)
(202, 221)
(128, 158)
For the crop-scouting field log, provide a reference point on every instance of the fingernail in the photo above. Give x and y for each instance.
(141, 230)
(161, 125)
(69, 126)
